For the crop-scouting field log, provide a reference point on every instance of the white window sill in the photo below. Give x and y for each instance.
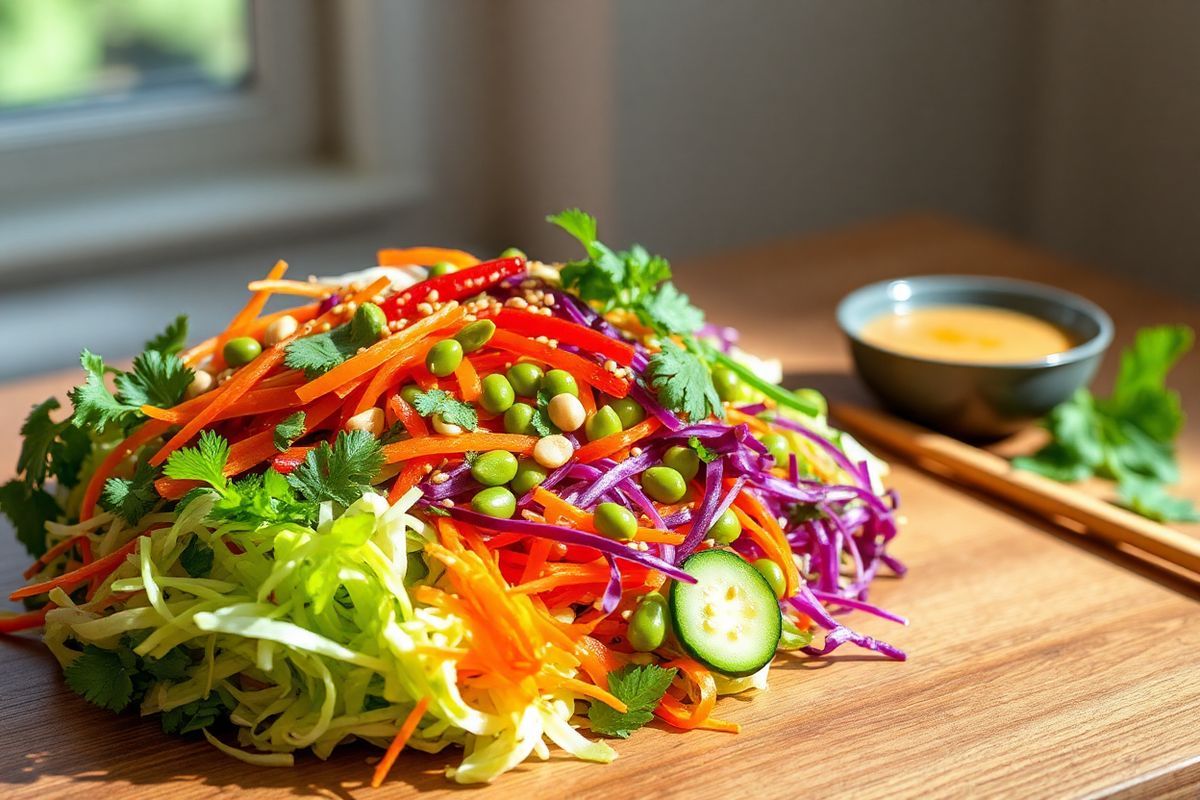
(90, 232)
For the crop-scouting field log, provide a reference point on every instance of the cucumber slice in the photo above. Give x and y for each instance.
(729, 619)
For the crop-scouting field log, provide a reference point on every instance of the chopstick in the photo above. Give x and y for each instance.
(994, 475)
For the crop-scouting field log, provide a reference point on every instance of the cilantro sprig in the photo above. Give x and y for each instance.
(451, 409)
(1128, 436)
(683, 382)
(640, 688)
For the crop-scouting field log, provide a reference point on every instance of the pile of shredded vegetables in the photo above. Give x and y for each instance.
(271, 618)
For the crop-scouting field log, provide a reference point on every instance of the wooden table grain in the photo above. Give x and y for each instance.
(1041, 664)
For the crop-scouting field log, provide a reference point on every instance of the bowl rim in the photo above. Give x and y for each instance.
(1088, 348)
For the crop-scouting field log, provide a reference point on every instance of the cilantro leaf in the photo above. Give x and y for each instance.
(157, 379)
(668, 309)
(579, 224)
(205, 462)
(172, 339)
(29, 509)
(197, 558)
(171, 667)
(540, 420)
(340, 473)
(640, 688)
(95, 406)
(131, 498)
(40, 433)
(319, 353)
(704, 453)
(683, 382)
(1150, 499)
(453, 410)
(197, 714)
(101, 678)
(289, 430)
(68, 453)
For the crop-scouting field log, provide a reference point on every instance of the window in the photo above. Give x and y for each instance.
(139, 127)
(96, 52)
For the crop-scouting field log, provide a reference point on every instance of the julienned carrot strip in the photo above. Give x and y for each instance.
(424, 257)
(608, 445)
(380, 353)
(301, 314)
(446, 445)
(539, 550)
(566, 332)
(593, 653)
(245, 378)
(101, 566)
(587, 400)
(749, 503)
(754, 423)
(413, 422)
(595, 692)
(468, 381)
(589, 372)
(258, 401)
(241, 321)
(149, 430)
(298, 288)
(55, 552)
(384, 378)
(409, 476)
(12, 623)
(402, 737)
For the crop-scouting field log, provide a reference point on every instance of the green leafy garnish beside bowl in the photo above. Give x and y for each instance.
(1128, 437)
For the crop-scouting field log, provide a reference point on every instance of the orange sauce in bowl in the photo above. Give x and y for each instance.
(967, 334)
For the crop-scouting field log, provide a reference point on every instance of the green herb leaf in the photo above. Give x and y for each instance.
(131, 498)
(340, 473)
(205, 462)
(197, 558)
(640, 688)
(289, 430)
(198, 714)
(29, 509)
(706, 455)
(1150, 499)
(540, 420)
(40, 433)
(322, 352)
(453, 410)
(668, 309)
(101, 678)
(683, 382)
(157, 379)
(171, 340)
(95, 406)
(171, 667)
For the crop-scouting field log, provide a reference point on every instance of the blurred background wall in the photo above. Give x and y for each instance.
(690, 127)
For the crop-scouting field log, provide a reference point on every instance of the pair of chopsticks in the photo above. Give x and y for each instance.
(994, 475)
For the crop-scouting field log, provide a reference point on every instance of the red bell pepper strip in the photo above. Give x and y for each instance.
(453, 285)
(587, 371)
(566, 332)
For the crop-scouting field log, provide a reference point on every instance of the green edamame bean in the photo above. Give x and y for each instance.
(368, 323)
(629, 411)
(683, 460)
(559, 381)
(648, 624)
(495, 501)
(615, 521)
(525, 378)
(475, 335)
(814, 399)
(241, 350)
(442, 268)
(519, 419)
(726, 528)
(444, 357)
(494, 468)
(664, 484)
(496, 394)
(529, 474)
(773, 573)
(727, 384)
(409, 394)
(513, 252)
(604, 422)
(777, 445)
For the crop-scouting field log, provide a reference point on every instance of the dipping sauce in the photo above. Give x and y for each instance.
(970, 334)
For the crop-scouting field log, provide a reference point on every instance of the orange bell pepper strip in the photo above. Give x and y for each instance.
(468, 381)
(424, 257)
(413, 422)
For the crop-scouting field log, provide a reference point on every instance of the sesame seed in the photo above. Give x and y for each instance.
(351, 307)
(432, 296)
(428, 468)
(516, 302)
(549, 299)
(424, 309)
(635, 451)
(438, 478)
(448, 503)
(610, 365)
(326, 327)
(340, 308)
(542, 339)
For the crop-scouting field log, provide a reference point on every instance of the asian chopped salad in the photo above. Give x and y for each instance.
(442, 502)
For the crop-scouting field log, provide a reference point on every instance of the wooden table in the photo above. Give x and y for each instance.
(1041, 665)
